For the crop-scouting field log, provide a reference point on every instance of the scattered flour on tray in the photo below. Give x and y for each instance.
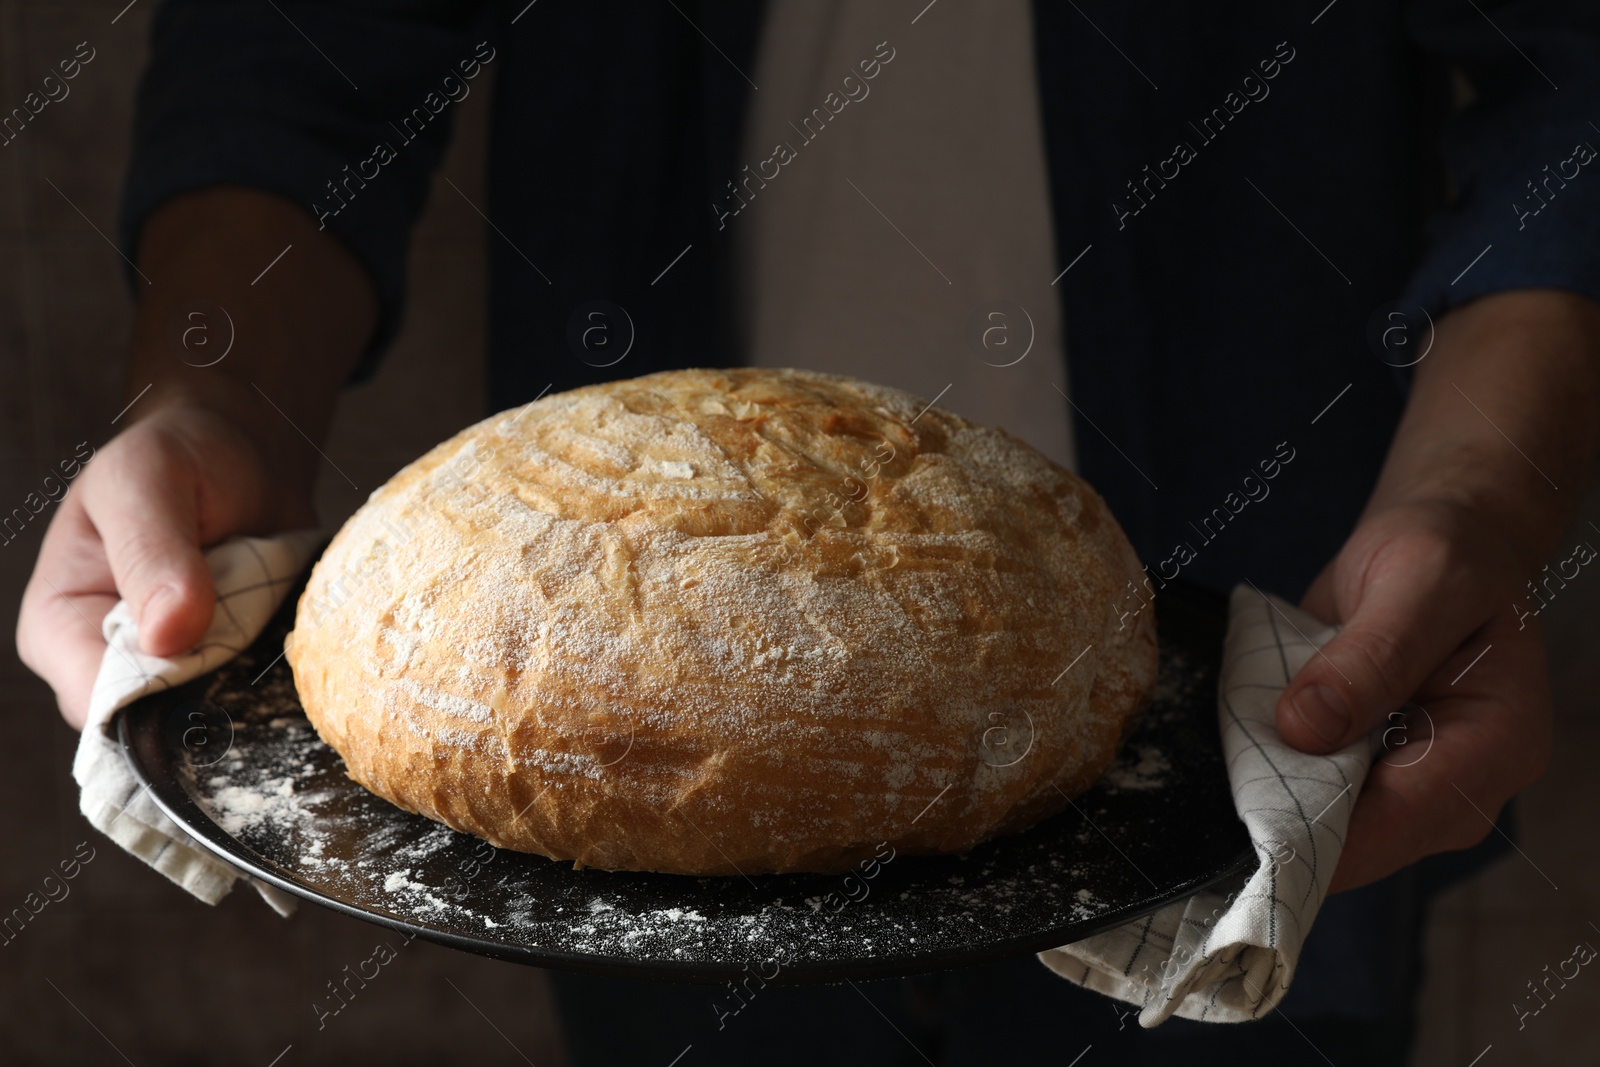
(1138, 767)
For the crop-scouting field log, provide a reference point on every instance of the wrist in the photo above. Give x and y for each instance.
(1499, 428)
(205, 411)
(253, 317)
(249, 299)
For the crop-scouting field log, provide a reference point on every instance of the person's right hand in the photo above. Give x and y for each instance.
(132, 526)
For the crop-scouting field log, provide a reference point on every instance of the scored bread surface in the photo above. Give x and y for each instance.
(720, 622)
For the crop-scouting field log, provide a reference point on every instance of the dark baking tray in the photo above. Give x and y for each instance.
(231, 757)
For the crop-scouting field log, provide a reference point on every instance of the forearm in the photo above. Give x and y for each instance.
(295, 332)
(1504, 417)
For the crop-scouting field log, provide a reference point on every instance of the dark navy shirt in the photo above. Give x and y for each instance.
(1253, 182)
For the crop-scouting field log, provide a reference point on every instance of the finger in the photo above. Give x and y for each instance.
(1319, 599)
(143, 502)
(66, 599)
(1465, 756)
(1410, 612)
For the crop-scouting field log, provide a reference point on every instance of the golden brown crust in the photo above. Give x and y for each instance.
(712, 622)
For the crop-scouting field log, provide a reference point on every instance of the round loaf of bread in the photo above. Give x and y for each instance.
(727, 622)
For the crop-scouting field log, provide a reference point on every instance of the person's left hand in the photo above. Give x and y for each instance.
(1421, 589)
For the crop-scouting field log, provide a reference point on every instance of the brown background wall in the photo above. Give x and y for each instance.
(129, 964)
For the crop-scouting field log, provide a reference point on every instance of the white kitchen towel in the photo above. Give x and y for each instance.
(1228, 954)
(252, 575)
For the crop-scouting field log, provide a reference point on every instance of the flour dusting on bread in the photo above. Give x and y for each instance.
(720, 622)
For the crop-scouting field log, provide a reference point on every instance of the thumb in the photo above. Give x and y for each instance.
(144, 505)
(1319, 599)
(1402, 626)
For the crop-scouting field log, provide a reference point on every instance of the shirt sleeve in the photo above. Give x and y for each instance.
(1524, 209)
(342, 106)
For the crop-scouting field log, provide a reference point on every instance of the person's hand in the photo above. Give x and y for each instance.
(1422, 589)
(217, 447)
(184, 477)
(1494, 448)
